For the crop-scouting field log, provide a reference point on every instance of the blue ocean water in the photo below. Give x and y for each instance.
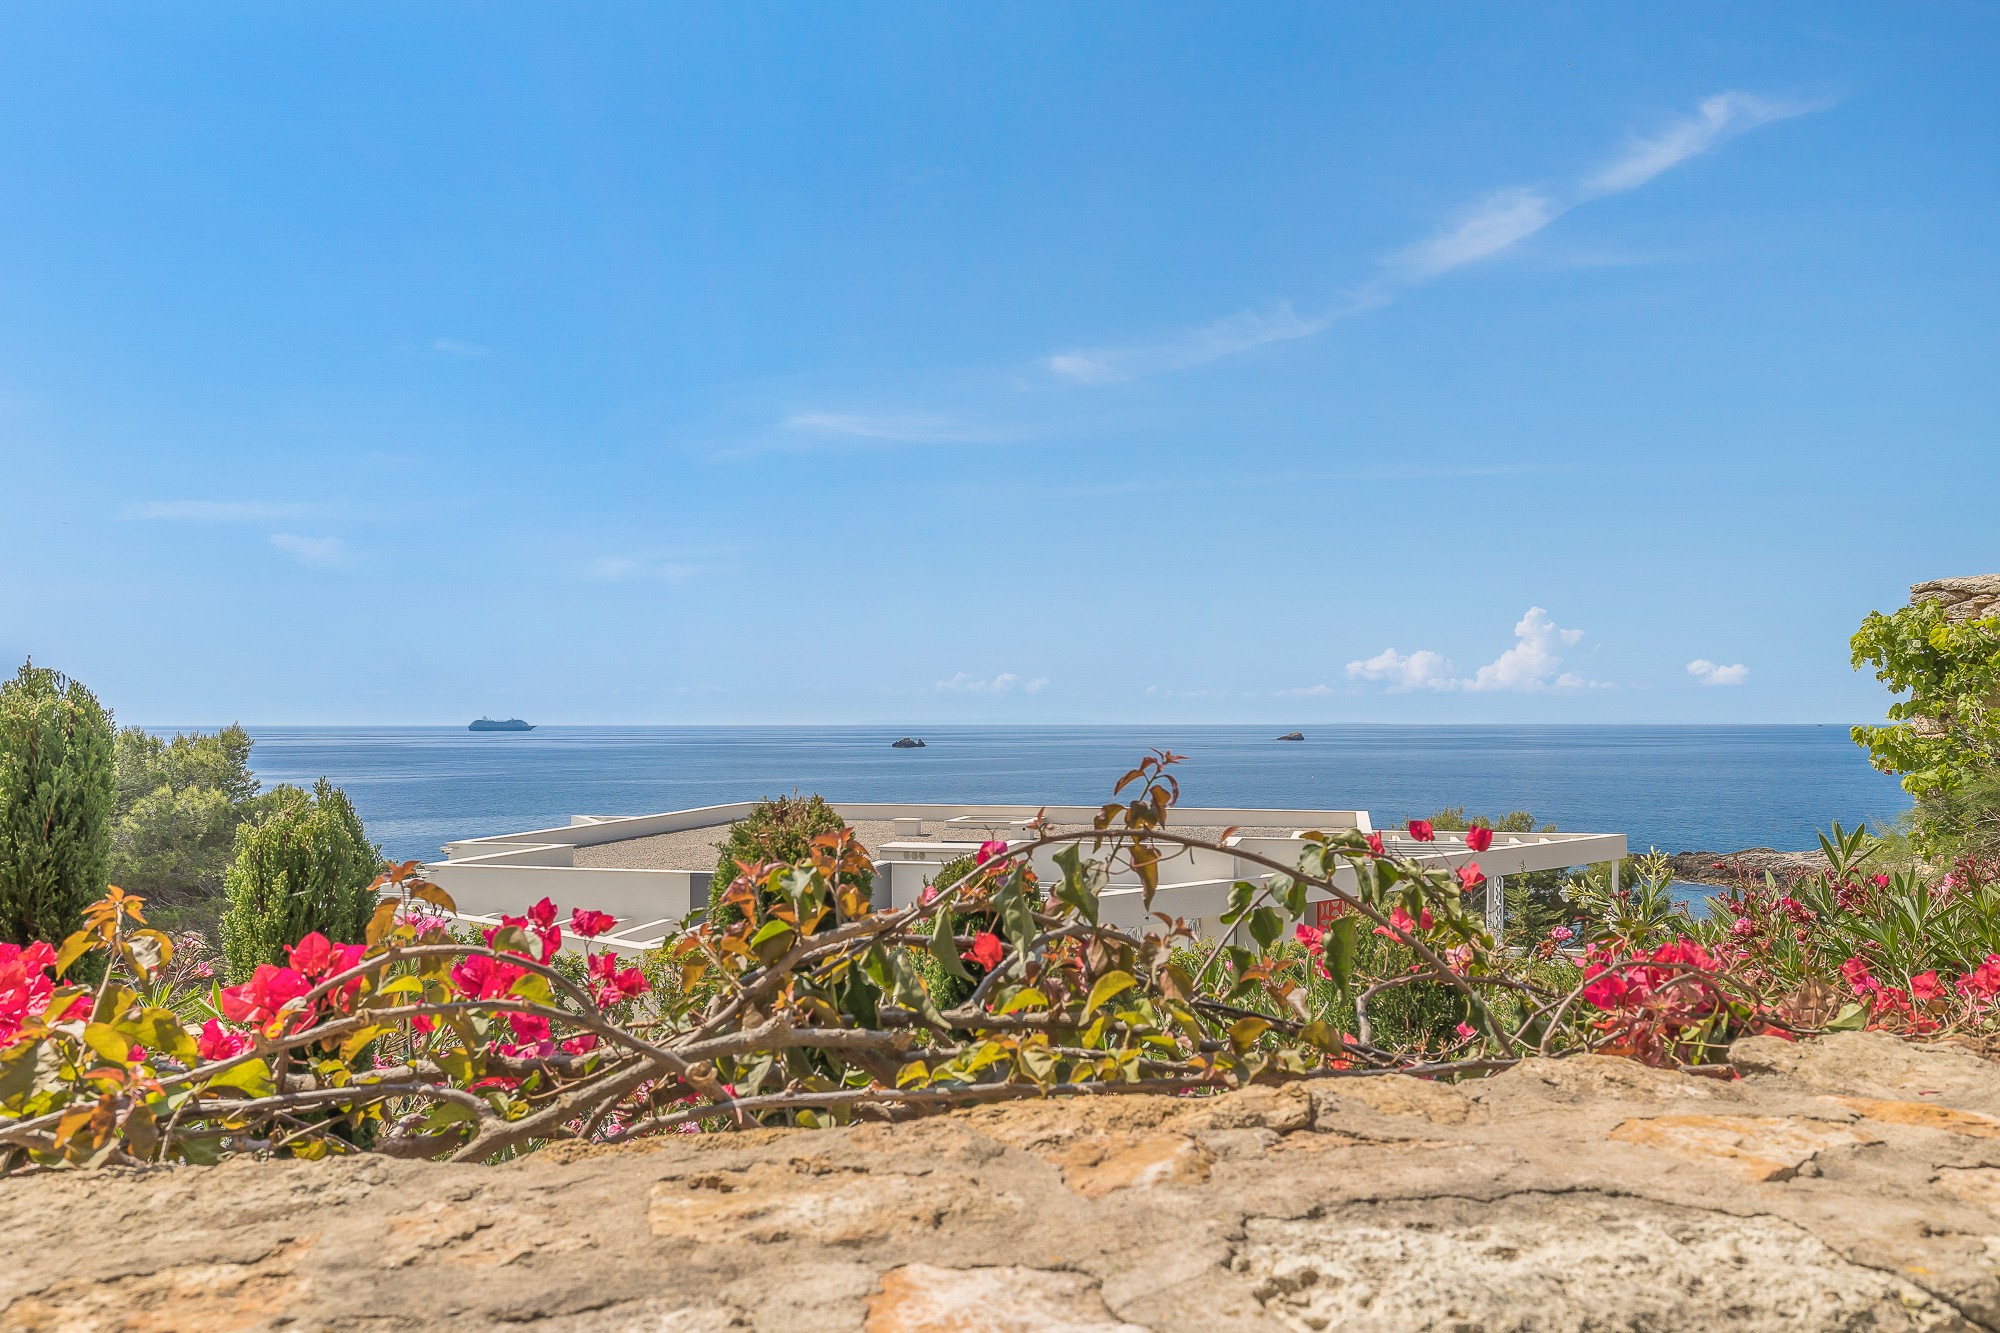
(1676, 788)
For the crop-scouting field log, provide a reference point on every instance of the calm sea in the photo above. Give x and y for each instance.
(1676, 788)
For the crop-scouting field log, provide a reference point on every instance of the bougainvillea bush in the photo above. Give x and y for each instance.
(808, 1006)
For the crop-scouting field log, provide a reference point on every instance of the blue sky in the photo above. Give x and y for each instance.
(399, 364)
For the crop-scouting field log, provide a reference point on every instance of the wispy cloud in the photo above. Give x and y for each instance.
(220, 511)
(322, 552)
(458, 347)
(621, 568)
(1004, 683)
(1720, 117)
(819, 431)
(1192, 347)
(1488, 228)
(1714, 673)
(1498, 222)
(1533, 663)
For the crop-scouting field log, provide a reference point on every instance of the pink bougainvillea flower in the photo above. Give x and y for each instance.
(610, 984)
(216, 1042)
(1308, 935)
(529, 1028)
(258, 1000)
(581, 1044)
(590, 924)
(1478, 838)
(25, 989)
(1466, 1031)
(1470, 876)
(1421, 830)
(1375, 847)
(1401, 921)
(482, 978)
(312, 955)
(986, 950)
(1925, 987)
(549, 934)
(928, 896)
(988, 850)
(543, 914)
(1561, 934)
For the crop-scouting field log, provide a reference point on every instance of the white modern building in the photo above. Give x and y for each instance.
(652, 871)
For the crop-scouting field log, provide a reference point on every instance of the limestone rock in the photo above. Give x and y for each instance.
(1851, 1183)
(1972, 598)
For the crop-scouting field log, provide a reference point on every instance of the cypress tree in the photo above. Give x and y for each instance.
(58, 784)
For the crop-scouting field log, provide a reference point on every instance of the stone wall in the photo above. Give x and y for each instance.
(1972, 598)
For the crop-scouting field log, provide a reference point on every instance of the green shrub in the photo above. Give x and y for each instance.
(180, 802)
(780, 829)
(1535, 899)
(305, 866)
(56, 794)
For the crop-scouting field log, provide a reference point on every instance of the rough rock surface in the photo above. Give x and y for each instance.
(1963, 599)
(1725, 867)
(1850, 1183)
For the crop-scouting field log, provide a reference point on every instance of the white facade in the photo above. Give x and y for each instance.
(504, 873)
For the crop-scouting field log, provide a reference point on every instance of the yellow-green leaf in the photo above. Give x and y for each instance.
(75, 947)
(1108, 986)
(1243, 1033)
(108, 1042)
(252, 1077)
(1023, 998)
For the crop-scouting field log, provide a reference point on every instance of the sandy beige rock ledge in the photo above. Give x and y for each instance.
(1851, 1183)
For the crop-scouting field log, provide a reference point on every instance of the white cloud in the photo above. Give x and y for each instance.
(1420, 670)
(1193, 347)
(617, 568)
(1714, 673)
(1533, 663)
(1720, 117)
(1501, 220)
(320, 551)
(219, 511)
(1004, 683)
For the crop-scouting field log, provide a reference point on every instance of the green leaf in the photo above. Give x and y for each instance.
(1108, 986)
(1266, 925)
(944, 947)
(1339, 944)
(1852, 1018)
(771, 930)
(1240, 894)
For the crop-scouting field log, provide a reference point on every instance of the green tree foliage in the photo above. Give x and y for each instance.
(179, 804)
(1943, 733)
(780, 829)
(56, 793)
(305, 866)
